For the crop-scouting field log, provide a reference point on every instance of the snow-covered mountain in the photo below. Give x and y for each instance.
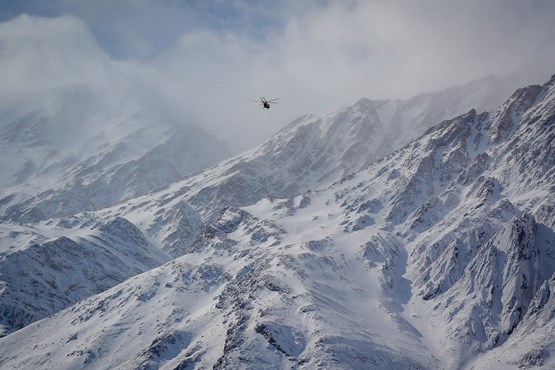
(81, 148)
(440, 255)
(137, 152)
(72, 149)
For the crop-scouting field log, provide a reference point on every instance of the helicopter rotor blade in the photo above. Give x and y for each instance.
(263, 100)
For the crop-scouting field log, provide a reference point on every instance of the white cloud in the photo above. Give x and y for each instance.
(40, 53)
(315, 56)
(332, 55)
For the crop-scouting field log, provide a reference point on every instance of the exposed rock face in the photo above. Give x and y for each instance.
(50, 275)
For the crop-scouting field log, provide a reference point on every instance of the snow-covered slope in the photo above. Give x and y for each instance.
(83, 149)
(440, 255)
(42, 272)
(69, 150)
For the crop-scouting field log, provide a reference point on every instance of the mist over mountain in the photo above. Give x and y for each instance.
(81, 129)
(81, 149)
(73, 164)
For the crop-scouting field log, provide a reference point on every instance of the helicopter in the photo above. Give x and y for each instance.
(266, 102)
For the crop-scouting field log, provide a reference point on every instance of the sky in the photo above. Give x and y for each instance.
(204, 62)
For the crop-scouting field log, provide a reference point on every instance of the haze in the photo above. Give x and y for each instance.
(203, 62)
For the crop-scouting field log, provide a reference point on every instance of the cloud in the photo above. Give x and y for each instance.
(208, 59)
(40, 53)
(332, 54)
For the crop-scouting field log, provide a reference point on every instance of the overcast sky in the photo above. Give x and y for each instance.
(210, 59)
